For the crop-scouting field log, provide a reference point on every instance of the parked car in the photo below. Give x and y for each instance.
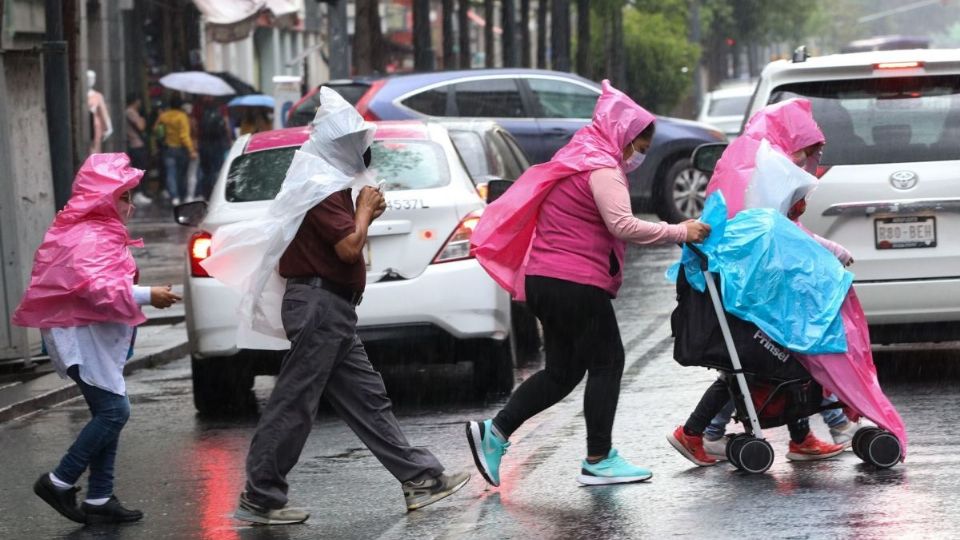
(542, 109)
(491, 154)
(726, 106)
(423, 285)
(888, 187)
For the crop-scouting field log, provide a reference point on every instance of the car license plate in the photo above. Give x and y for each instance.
(905, 232)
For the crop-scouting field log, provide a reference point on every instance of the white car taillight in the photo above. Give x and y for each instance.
(199, 249)
(457, 247)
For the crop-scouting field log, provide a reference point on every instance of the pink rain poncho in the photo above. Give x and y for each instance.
(789, 126)
(505, 233)
(83, 271)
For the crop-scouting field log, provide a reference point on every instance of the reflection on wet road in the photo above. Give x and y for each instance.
(186, 472)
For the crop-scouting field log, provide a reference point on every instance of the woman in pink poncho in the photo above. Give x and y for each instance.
(83, 299)
(557, 238)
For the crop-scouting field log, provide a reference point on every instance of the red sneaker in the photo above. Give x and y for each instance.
(691, 446)
(812, 449)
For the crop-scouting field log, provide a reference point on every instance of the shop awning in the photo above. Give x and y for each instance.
(232, 20)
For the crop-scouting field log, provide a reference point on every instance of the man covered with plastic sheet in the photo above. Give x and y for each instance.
(766, 267)
(301, 271)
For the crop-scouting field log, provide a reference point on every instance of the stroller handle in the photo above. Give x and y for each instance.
(699, 253)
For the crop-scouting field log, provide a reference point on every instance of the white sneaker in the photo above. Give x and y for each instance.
(175, 201)
(843, 434)
(717, 448)
(140, 199)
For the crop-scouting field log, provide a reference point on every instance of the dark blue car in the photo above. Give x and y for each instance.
(542, 110)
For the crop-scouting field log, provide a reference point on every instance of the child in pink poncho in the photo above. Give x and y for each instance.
(83, 299)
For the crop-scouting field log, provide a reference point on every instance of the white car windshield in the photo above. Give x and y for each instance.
(402, 164)
(884, 120)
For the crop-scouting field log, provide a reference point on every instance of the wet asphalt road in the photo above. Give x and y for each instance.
(185, 472)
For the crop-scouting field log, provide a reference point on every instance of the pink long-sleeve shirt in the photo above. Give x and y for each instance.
(612, 196)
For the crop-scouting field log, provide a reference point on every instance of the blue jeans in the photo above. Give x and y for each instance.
(175, 162)
(96, 446)
(718, 426)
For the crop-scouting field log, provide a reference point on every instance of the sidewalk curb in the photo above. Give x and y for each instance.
(69, 390)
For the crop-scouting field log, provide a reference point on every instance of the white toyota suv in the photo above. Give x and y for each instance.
(423, 285)
(889, 186)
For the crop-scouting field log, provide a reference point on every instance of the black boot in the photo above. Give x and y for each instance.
(110, 512)
(62, 500)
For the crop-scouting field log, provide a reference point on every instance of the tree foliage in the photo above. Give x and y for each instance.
(655, 48)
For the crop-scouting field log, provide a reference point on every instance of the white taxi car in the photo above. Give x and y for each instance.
(889, 186)
(423, 284)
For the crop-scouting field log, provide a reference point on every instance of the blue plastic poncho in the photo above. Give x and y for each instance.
(774, 275)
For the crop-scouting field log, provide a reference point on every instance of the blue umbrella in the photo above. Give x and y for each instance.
(251, 100)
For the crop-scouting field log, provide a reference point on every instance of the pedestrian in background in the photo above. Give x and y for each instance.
(83, 298)
(173, 129)
(556, 238)
(215, 141)
(137, 143)
(314, 238)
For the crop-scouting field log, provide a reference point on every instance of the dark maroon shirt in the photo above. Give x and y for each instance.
(312, 253)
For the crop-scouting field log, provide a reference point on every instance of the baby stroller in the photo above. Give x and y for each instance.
(768, 385)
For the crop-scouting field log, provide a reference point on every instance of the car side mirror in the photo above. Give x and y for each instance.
(190, 214)
(496, 188)
(706, 156)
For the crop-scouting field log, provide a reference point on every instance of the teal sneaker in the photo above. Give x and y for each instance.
(612, 470)
(487, 449)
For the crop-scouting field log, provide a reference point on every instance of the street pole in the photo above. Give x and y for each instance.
(449, 58)
(695, 38)
(422, 43)
(560, 35)
(338, 60)
(508, 18)
(463, 26)
(56, 89)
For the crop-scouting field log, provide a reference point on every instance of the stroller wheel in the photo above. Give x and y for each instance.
(859, 439)
(882, 449)
(755, 456)
(734, 445)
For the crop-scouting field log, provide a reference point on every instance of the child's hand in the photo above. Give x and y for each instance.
(163, 297)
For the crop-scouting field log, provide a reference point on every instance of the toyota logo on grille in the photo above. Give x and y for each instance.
(903, 179)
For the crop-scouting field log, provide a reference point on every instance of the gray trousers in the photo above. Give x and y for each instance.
(327, 359)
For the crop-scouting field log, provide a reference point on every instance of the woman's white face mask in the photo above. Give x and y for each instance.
(633, 162)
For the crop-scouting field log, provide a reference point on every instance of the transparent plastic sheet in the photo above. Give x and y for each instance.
(502, 239)
(83, 270)
(776, 181)
(245, 255)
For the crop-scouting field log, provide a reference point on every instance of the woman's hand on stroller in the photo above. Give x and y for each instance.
(697, 231)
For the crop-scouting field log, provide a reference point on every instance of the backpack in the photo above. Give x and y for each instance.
(212, 126)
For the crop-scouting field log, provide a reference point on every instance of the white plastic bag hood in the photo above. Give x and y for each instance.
(776, 181)
(245, 255)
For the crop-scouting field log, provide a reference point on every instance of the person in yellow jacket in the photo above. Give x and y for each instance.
(173, 129)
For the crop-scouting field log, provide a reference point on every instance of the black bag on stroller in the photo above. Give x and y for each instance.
(781, 389)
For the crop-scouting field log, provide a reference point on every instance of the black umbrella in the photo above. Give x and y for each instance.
(239, 86)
